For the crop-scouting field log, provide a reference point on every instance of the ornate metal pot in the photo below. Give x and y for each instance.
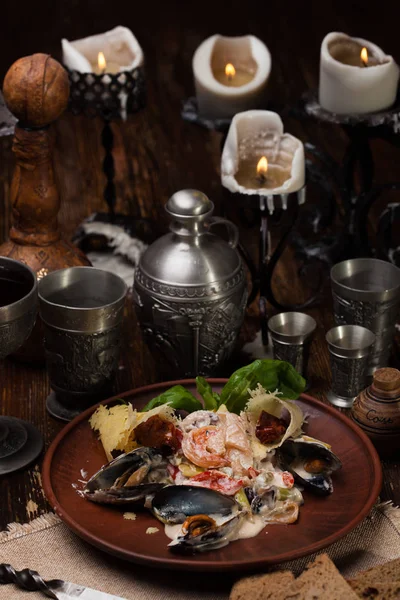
(190, 288)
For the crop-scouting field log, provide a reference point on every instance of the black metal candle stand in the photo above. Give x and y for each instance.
(190, 113)
(110, 97)
(358, 166)
(259, 212)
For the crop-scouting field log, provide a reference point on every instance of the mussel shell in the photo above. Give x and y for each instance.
(174, 503)
(136, 494)
(210, 540)
(292, 450)
(105, 478)
(266, 501)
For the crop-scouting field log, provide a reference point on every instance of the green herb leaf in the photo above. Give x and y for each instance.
(177, 397)
(271, 374)
(211, 399)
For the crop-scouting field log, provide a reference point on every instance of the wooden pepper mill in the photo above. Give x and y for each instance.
(377, 410)
(36, 91)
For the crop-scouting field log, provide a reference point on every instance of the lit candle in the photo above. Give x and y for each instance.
(105, 66)
(105, 54)
(259, 158)
(356, 76)
(231, 75)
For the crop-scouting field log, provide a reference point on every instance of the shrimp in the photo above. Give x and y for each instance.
(205, 446)
(237, 444)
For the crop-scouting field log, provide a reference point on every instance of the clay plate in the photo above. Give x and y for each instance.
(322, 521)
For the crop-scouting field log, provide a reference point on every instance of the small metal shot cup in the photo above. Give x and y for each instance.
(291, 334)
(366, 292)
(349, 349)
(82, 310)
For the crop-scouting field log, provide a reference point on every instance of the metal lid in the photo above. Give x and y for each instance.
(189, 203)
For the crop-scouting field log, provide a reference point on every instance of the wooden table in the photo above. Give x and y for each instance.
(157, 153)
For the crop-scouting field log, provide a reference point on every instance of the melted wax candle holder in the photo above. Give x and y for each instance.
(111, 92)
(266, 166)
(346, 97)
(231, 75)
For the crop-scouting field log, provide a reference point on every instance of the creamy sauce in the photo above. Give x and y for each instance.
(250, 527)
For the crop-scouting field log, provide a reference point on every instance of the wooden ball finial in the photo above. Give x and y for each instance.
(36, 90)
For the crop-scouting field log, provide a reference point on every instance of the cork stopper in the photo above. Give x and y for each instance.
(36, 90)
(386, 379)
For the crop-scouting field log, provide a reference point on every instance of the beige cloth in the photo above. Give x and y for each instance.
(47, 546)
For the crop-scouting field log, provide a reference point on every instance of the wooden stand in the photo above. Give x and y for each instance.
(36, 91)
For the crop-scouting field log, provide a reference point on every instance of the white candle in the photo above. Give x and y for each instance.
(349, 84)
(259, 158)
(230, 74)
(119, 47)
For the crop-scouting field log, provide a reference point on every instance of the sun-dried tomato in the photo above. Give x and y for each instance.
(269, 429)
(158, 433)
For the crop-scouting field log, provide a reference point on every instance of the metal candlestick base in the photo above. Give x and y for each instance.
(109, 96)
(340, 401)
(20, 444)
(57, 408)
(358, 194)
(190, 112)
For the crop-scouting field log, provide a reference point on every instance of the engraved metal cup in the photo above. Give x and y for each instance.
(291, 334)
(18, 317)
(366, 292)
(349, 349)
(20, 442)
(82, 311)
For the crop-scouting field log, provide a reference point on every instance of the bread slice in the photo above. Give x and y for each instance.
(386, 573)
(272, 586)
(376, 591)
(320, 581)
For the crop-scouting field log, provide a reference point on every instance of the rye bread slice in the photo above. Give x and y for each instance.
(376, 591)
(386, 573)
(272, 586)
(321, 581)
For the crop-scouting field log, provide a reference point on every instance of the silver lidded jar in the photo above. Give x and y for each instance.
(190, 288)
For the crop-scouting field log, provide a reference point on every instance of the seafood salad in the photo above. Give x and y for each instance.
(211, 474)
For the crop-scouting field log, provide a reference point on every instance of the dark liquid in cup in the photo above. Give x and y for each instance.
(12, 290)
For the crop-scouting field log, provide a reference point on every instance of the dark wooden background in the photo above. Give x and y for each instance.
(157, 153)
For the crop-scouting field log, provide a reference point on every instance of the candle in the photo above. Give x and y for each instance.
(103, 66)
(356, 76)
(259, 158)
(105, 54)
(230, 74)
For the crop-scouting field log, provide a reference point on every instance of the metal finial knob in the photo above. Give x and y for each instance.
(189, 203)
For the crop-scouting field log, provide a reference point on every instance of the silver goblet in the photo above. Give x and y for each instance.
(20, 442)
(82, 311)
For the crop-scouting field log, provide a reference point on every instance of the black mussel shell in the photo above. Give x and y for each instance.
(174, 503)
(292, 451)
(210, 540)
(128, 463)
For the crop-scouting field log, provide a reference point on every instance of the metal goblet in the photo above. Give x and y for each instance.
(20, 442)
(82, 312)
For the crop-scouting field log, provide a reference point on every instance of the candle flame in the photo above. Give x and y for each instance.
(230, 71)
(101, 61)
(364, 56)
(262, 166)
